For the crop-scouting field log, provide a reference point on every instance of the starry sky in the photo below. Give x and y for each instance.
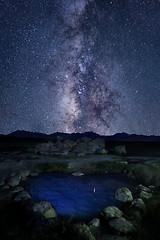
(80, 65)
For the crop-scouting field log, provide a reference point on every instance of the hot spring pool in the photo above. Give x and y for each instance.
(81, 198)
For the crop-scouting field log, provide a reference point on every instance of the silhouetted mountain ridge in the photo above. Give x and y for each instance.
(116, 137)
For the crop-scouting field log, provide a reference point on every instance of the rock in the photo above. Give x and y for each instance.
(143, 192)
(138, 203)
(122, 162)
(120, 150)
(78, 174)
(123, 194)
(121, 225)
(24, 173)
(111, 212)
(17, 189)
(5, 187)
(24, 195)
(45, 209)
(83, 231)
(13, 181)
(145, 195)
(94, 226)
(2, 182)
(95, 222)
(141, 188)
(152, 187)
(112, 237)
(50, 214)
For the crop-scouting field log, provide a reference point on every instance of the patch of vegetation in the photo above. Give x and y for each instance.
(103, 166)
(144, 172)
(52, 167)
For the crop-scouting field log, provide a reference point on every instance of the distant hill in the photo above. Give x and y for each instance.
(27, 134)
(124, 137)
(132, 138)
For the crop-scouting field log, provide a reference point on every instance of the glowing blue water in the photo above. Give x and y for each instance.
(78, 197)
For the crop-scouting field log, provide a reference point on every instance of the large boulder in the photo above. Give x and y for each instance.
(121, 225)
(45, 209)
(13, 181)
(120, 150)
(111, 212)
(123, 194)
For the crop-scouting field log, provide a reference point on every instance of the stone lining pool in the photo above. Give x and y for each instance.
(81, 198)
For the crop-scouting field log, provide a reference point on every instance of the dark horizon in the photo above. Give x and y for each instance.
(120, 135)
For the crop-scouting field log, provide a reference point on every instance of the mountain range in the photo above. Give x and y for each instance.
(117, 137)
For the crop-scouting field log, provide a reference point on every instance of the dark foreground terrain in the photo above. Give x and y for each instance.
(22, 158)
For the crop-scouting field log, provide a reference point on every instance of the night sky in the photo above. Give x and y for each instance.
(80, 65)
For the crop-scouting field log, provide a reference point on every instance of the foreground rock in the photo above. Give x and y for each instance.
(144, 192)
(121, 225)
(24, 173)
(13, 181)
(45, 209)
(82, 231)
(111, 212)
(95, 228)
(24, 195)
(17, 189)
(78, 174)
(138, 203)
(95, 222)
(123, 195)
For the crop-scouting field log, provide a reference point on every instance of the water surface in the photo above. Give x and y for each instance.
(79, 197)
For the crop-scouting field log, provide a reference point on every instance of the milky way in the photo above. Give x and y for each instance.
(80, 65)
